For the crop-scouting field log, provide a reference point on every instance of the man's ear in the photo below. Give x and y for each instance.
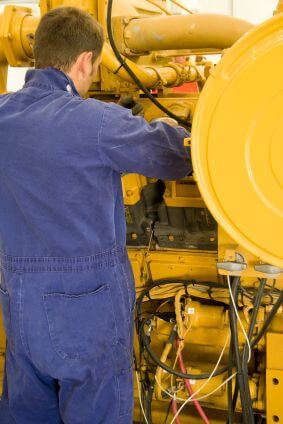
(88, 57)
(83, 61)
(97, 63)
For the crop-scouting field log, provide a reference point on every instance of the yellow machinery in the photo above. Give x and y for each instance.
(199, 244)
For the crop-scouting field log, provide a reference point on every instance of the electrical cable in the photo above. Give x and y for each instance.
(175, 411)
(268, 320)
(190, 389)
(139, 392)
(257, 303)
(217, 388)
(204, 384)
(145, 339)
(132, 74)
(145, 342)
(160, 283)
(174, 396)
(168, 412)
(149, 402)
(205, 396)
(238, 318)
(247, 411)
(230, 387)
(256, 306)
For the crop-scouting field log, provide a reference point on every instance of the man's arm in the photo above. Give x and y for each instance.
(129, 144)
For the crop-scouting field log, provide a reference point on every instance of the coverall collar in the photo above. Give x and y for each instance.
(50, 78)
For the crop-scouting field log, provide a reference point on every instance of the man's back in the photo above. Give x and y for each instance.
(57, 197)
(59, 168)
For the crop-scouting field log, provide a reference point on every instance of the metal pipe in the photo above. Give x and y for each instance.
(170, 75)
(29, 26)
(23, 30)
(198, 31)
(149, 77)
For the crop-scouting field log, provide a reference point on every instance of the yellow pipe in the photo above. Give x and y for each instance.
(29, 26)
(148, 77)
(197, 31)
(23, 32)
(169, 75)
(160, 371)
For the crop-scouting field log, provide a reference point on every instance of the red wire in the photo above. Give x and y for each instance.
(190, 389)
(175, 410)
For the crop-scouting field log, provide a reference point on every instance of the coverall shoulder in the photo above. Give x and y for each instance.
(67, 289)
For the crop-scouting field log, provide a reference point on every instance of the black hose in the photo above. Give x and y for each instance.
(132, 74)
(146, 343)
(256, 306)
(268, 320)
(148, 403)
(246, 407)
(230, 387)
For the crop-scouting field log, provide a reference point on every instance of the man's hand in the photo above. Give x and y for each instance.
(130, 103)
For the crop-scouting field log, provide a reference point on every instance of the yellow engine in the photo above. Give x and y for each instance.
(206, 251)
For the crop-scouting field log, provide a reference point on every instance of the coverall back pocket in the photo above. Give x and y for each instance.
(6, 312)
(81, 326)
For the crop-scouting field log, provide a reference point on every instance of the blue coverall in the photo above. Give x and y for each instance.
(67, 289)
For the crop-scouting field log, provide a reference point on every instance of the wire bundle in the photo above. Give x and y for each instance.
(237, 359)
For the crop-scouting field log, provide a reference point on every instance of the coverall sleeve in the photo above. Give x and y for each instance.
(128, 144)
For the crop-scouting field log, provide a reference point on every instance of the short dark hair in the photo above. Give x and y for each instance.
(63, 34)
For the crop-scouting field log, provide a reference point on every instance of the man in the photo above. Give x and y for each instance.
(67, 289)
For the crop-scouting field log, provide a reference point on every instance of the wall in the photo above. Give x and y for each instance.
(254, 11)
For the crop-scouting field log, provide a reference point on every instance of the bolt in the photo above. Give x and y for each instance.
(134, 236)
(171, 237)
(127, 50)
(129, 193)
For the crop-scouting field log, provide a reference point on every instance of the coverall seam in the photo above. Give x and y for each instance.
(58, 270)
(104, 259)
(21, 319)
(128, 289)
(100, 134)
(43, 86)
(86, 258)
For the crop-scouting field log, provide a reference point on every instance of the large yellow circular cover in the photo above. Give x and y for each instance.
(237, 142)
